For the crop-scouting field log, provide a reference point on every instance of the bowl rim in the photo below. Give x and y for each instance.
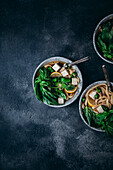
(94, 35)
(80, 103)
(65, 60)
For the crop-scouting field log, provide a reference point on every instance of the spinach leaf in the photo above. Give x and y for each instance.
(51, 94)
(50, 69)
(111, 35)
(65, 80)
(103, 120)
(43, 73)
(109, 125)
(105, 108)
(64, 85)
(109, 56)
(103, 45)
(55, 79)
(46, 72)
(37, 92)
(38, 79)
(110, 111)
(60, 93)
(102, 116)
(46, 100)
(106, 26)
(69, 87)
(105, 40)
(53, 101)
(89, 114)
(45, 83)
(110, 48)
(105, 31)
(48, 97)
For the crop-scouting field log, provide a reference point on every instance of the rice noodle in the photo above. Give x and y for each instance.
(69, 95)
(105, 98)
(47, 65)
(112, 98)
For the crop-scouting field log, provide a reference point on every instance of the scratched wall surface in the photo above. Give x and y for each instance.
(34, 136)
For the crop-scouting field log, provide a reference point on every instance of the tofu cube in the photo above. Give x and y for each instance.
(100, 109)
(92, 95)
(62, 69)
(64, 73)
(74, 81)
(60, 100)
(56, 67)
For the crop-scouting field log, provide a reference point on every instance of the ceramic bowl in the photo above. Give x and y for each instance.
(80, 104)
(58, 58)
(95, 34)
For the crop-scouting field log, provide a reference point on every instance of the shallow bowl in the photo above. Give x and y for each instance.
(80, 104)
(58, 58)
(95, 34)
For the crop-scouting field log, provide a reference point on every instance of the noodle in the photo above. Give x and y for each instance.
(105, 98)
(47, 65)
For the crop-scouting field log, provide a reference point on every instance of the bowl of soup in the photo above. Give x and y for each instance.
(103, 39)
(56, 85)
(96, 107)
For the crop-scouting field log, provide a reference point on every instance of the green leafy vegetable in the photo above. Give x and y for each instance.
(38, 95)
(103, 120)
(42, 87)
(105, 108)
(49, 89)
(55, 79)
(88, 113)
(70, 87)
(50, 69)
(65, 80)
(109, 125)
(105, 40)
(60, 93)
(73, 75)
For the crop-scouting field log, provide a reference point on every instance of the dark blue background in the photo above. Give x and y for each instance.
(34, 136)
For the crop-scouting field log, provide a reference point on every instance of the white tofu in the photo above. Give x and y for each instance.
(92, 95)
(56, 67)
(100, 110)
(74, 81)
(64, 73)
(60, 100)
(62, 69)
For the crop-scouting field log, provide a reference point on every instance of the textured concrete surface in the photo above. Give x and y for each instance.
(32, 135)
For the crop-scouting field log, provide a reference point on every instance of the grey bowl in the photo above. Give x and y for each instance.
(58, 58)
(80, 104)
(94, 37)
